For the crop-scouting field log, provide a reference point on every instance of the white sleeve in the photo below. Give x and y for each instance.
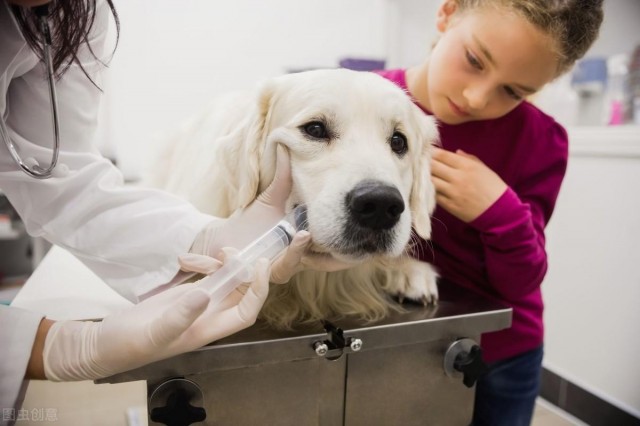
(18, 329)
(130, 237)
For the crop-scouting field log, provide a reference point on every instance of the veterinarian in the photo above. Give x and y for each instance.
(499, 169)
(130, 237)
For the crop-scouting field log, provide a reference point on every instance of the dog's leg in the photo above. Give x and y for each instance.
(416, 281)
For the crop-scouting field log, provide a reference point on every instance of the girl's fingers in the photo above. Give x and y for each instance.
(442, 187)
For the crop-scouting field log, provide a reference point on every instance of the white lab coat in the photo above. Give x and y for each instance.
(130, 237)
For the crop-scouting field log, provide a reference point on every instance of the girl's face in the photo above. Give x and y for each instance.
(485, 63)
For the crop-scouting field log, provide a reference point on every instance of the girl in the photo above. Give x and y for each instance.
(499, 171)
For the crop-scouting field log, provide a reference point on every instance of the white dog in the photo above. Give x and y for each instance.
(360, 152)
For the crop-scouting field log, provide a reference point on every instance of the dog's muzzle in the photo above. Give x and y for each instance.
(375, 205)
(373, 210)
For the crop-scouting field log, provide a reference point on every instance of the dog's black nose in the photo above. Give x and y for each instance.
(375, 205)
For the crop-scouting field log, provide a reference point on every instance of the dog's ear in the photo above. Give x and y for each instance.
(245, 147)
(422, 200)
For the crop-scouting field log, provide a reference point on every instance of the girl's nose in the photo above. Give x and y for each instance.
(477, 96)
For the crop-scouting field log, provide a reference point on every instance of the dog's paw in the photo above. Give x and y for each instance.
(417, 283)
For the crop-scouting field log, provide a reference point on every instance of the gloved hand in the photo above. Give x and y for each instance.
(246, 225)
(296, 258)
(177, 320)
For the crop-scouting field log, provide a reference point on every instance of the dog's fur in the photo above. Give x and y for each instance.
(222, 160)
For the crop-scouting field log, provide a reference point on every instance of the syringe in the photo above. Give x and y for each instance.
(239, 268)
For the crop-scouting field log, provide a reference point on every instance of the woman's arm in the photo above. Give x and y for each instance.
(130, 237)
(18, 328)
(35, 368)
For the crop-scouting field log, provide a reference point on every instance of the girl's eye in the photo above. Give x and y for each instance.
(473, 61)
(316, 129)
(398, 143)
(511, 93)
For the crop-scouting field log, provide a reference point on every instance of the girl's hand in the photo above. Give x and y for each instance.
(465, 186)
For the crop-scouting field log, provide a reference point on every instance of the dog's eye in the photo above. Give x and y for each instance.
(316, 130)
(398, 143)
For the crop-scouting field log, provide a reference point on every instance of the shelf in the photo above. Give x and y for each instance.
(10, 235)
(604, 141)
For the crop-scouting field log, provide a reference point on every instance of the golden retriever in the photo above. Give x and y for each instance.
(360, 152)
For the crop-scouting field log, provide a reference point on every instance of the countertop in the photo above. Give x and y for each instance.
(63, 288)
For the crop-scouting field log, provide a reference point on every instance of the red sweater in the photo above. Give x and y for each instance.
(501, 254)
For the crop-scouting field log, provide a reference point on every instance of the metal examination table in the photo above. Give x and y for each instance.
(405, 370)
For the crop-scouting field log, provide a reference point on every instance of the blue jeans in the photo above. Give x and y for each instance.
(506, 394)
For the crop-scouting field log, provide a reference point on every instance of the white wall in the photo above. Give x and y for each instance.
(412, 31)
(620, 30)
(174, 57)
(592, 288)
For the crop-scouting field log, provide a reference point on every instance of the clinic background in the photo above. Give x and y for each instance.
(174, 57)
(172, 60)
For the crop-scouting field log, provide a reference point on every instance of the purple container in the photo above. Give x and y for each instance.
(362, 64)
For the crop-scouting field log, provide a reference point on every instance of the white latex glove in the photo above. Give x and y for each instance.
(177, 320)
(298, 258)
(252, 222)
(247, 224)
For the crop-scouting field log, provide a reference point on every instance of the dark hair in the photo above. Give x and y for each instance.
(572, 24)
(70, 23)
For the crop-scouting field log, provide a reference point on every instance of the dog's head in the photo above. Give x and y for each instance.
(360, 152)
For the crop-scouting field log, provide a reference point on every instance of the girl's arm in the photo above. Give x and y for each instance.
(512, 229)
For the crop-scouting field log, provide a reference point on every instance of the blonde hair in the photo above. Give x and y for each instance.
(573, 24)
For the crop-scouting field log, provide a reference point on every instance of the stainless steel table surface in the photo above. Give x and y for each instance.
(459, 314)
(397, 373)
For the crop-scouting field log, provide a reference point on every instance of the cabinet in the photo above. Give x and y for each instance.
(19, 252)
(392, 372)
(16, 250)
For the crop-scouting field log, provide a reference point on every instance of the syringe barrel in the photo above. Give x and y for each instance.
(270, 244)
(239, 269)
